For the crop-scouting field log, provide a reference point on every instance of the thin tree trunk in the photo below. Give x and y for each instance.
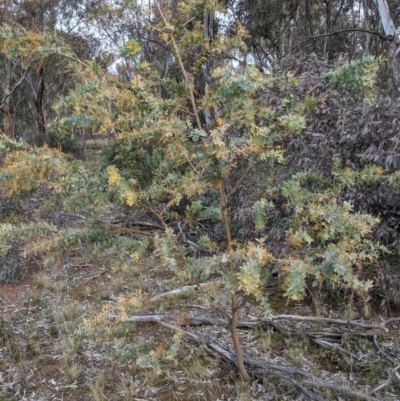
(367, 27)
(41, 135)
(311, 44)
(234, 304)
(208, 36)
(328, 29)
(5, 106)
(235, 338)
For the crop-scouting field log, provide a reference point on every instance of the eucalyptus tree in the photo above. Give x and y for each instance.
(327, 28)
(34, 71)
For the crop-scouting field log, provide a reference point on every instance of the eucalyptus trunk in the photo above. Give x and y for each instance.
(390, 32)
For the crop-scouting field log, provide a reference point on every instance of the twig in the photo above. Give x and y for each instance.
(182, 289)
(382, 385)
(11, 91)
(82, 265)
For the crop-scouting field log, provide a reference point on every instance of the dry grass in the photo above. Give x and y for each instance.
(69, 347)
(72, 371)
(43, 281)
(126, 388)
(97, 389)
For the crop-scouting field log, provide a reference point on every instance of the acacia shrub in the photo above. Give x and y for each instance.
(240, 152)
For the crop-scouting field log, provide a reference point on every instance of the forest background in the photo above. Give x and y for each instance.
(200, 163)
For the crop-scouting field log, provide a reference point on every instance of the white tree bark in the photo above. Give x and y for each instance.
(391, 32)
(386, 19)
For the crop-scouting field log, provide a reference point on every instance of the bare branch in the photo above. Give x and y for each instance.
(9, 93)
(383, 37)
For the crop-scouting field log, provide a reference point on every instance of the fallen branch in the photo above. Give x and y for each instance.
(177, 291)
(380, 326)
(271, 320)
(181, 290)
(145, 224)
(205, 320)
(194, 321)
(133, 223)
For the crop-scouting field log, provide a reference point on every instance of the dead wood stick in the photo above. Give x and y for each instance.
(396, 373)
(388, 381)
(9, 384)
(382, 351)
(380, 326)
(192, 321)
(177, 291)
(382, 385)
(145, 224)
(181, 290)
(134, 223)
(335, 347)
